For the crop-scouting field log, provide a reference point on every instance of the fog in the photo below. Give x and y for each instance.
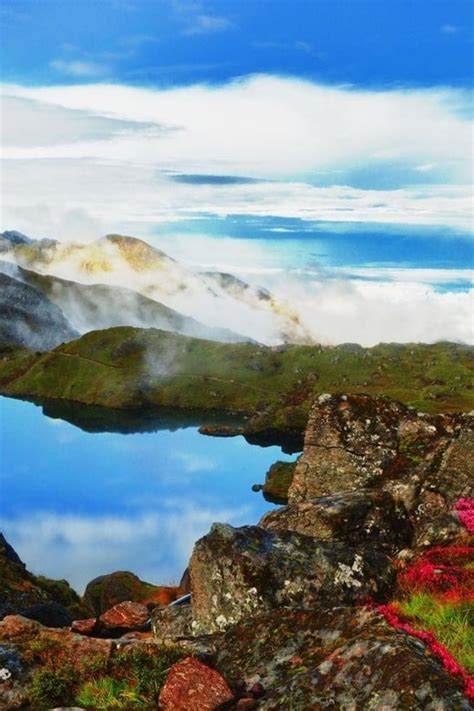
(299, 305)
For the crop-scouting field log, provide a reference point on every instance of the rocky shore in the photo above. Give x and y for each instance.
(357, 593)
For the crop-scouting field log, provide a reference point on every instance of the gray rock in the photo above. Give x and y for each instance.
(342, 658)
(358, 518)
(239, 572)
(172, 623)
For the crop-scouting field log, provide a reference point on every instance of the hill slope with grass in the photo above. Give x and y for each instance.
(145, 369)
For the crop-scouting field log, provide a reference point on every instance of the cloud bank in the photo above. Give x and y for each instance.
(315, 151)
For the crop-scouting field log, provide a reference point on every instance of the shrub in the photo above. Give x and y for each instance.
(53, 687)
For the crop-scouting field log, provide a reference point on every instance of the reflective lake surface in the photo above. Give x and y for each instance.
(77, 504)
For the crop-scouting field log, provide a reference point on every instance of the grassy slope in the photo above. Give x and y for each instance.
(133, 368)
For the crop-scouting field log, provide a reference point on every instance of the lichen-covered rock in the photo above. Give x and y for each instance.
(172, 623)
(238, 572)
(193, 686)
(342, 658)
(442, 529)
(104, 592)
(14, 678)
(450, 478)
(359, 441)
(19, 630)
(358, 517)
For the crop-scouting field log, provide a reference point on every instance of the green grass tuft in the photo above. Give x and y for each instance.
(452, 623)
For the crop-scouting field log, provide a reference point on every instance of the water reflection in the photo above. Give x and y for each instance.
(83, 499)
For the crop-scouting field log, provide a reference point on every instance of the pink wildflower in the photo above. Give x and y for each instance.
(465, 511)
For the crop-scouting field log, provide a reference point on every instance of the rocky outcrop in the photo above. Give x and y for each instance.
(341, 658)
(22, 643)
(20, 590)
(352, 442)
(356, 442)
(357, 518)
(192, 685)
(104, 592)
(240, 572)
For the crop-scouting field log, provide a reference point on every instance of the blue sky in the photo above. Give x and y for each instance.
(252, 134)
(364, 42)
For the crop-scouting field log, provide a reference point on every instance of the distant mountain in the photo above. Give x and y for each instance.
(89, 307)
(215, 299)
(29, 319)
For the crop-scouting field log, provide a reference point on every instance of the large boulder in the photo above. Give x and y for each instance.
(359, 441)
(358, 518)
(355, 442)
(104, 592)
(451, 477)
(238, 572)
(342, 658)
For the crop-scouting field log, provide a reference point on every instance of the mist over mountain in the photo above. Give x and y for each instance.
(88, 307)
(29, 319)
(119, 280)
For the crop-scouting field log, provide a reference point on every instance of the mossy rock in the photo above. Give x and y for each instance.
(277, 482)
(104, 592)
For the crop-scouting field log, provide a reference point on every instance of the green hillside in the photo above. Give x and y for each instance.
(131, 368)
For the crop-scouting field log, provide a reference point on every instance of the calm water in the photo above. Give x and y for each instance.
(76, 504)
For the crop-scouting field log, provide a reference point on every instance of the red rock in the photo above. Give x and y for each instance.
(84, 626)
(125, 615)
(20, 630)
(191, 685)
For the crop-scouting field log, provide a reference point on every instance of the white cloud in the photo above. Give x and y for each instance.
(344, 310)
(192, 463)
(206, 24)
(79, 68)
(287, 131)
